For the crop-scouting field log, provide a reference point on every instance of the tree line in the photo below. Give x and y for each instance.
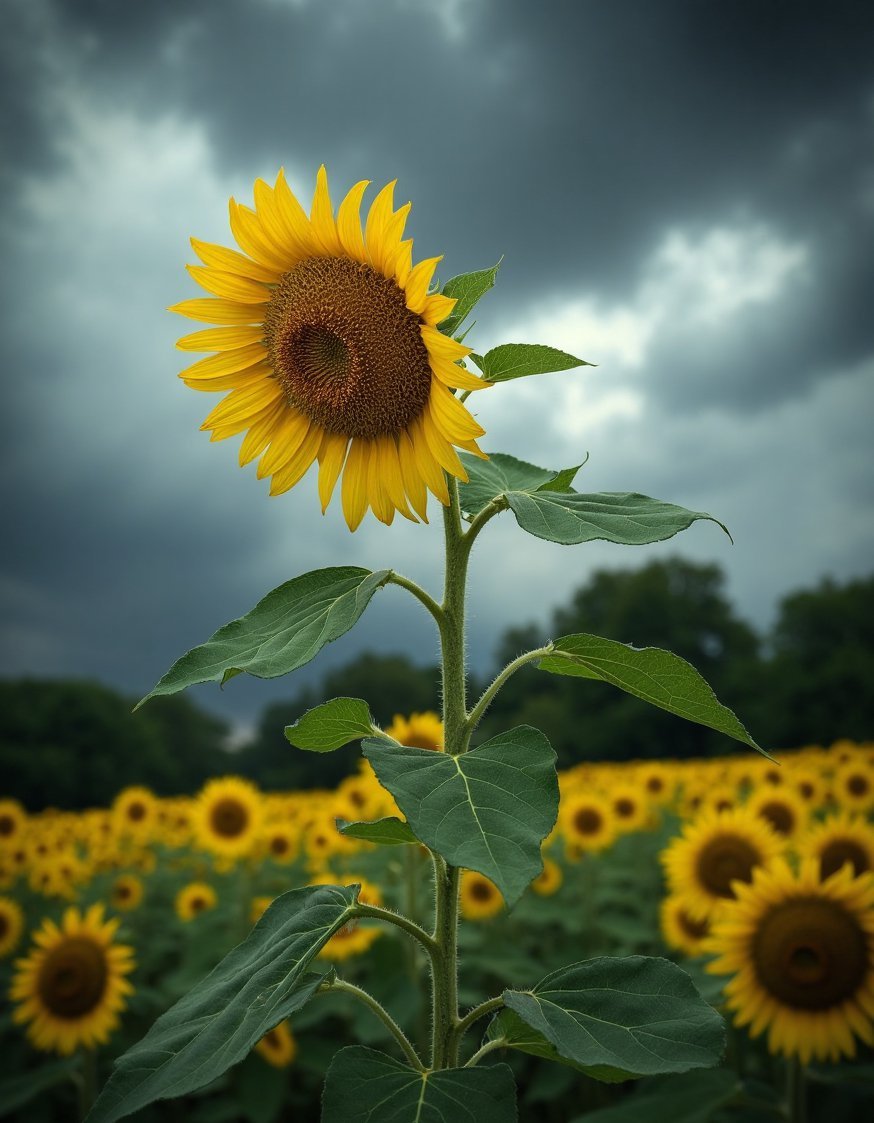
(804, 681)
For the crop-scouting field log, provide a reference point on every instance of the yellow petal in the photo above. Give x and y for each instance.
(391, 477)
(293, 216)
(437, 308)
(378, 218)
(238, 424)
(418, 282)
(299, 464)
(456, 377)
(443, 345)
(212, 311)
(450, 416)
(322, 217)
(287, 439)
(261, 434)
(331, 456)
(220, 339)
(226, 362)
(252, 239)
(235, 380)
(349, 222)
(392, 243)
(414, 484)
(229, 261)
(244, 402)
(267, 211)
(427, 464)
(382, 506)
(354, 488)
(440, 448)
(404, 262)
(229, 286)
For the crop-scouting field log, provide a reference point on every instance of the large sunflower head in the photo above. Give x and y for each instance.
(72, 986)
(227, 817)
(802, 954)
(330, 349)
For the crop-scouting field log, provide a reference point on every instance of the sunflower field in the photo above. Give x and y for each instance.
(757, 878)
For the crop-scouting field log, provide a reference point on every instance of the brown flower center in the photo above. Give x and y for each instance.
(694, 929)
(72, 979)
(779, 815)
(7, 826)
(279, 845)
(857, 785)
(481, 891)
(839, 851)
(229, 818)
(588, 821)
(725, 859)
(347, 350)
(5, 925)
(810, 953)
(136, 811)
(624, 807)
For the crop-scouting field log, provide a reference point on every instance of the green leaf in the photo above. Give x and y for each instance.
(615, 1019)
(486, 810)
(519, 360)
(466, 289)
(363, 1085)
(263, 980)
(611, 516)
(286, 629)
(20, 1089)
(690, 1098)
(502, 475)
(331, 725)
(658, 677)
(390, 831)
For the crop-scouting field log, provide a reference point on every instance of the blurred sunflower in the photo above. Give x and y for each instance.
(13, 821)
(841, 838)
(135, 811)
(781, 807)
(586, 822)
(353, 938)
(280, 842)
(629, 805)
(11, 925)
(419, 731)
(330, 349)
(853, 785)
(549, 880)
(71, 987)
(227, 817)
(195, 898)
(126, 892)
(681, 931)
(714, 853)
(479, 897)
(278, 1046)
(802, 954)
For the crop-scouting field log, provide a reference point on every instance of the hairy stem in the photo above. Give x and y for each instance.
(464, 1024)
(419, 593)
(489, 693)
(489, 1047)
(375, 912)
(383, 1015)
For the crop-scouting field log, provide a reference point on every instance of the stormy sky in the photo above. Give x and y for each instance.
(683, 194)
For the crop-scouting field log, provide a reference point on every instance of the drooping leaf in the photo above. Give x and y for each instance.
(331, 725)
(486, 810)
(519, 360)
(263, 980)
(363, 1086)
(693, 1097)
(286, 629)
(466, 289)
(658, 677)
(569, 518)
(502, 475)
(615, 1019)
(389, 831)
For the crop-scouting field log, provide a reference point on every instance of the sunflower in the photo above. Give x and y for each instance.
(658, 781)
(228, 816)
(839, 839)
(418, 731)
(13, 820)
(853, 785)
(808, 782)
(330, 349)
(126, 892)
(479, 898)
(280, 842)
(71, 987)
(278, 1046)
(681, 931)
(781, 807)
(587, 822)
(630, 809)
(549, 880)
(11, 925)
(802, 954)
(135, 811)
(195, 898)
(713, 854)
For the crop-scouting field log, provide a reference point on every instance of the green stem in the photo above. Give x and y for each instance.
(796, 1091)
(489, 693)
(384, 1016)
(87, 1083)
(464, 1024)
(489, 1047)
(375, 912)
(419, 593)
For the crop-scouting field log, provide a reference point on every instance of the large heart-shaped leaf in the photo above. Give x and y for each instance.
(331, 725)
(363, 1086)
(286, 629)
(520, 360)
(629, 519)
(466, 289)
(658, 677)
(487, 810)
(503, 475)
(615, 1019)
(262, 981)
